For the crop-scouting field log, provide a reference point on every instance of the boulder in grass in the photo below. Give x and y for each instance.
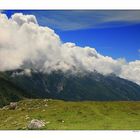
(13, 105)
(36, 124)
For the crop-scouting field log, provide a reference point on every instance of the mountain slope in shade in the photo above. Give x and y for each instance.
(92, 86)
(10, 92)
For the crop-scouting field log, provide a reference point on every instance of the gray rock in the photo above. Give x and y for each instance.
(13, 105)
(36, 124)
(60, 87)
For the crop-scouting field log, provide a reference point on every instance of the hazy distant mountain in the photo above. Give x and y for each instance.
(92, 86)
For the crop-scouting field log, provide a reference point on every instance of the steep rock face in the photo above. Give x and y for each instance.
(91, 86)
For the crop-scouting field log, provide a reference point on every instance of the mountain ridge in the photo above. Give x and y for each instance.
(69, 87)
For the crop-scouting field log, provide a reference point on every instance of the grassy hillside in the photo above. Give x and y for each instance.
(62, 115)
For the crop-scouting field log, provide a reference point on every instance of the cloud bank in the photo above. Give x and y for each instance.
(25, 44)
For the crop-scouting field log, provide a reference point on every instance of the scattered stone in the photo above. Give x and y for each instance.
(23, 128)
(5, 108)
(46, 105)
(46, 100)
(31, 108)
(8, 119)
(27, 117)
(19, 109)
(14, 123)
(62, 121)
(36, 124)
(22, 109)
(13, 105)
(47, 122)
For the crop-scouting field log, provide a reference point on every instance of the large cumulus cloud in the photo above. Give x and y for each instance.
(25, 44)
(131, 71)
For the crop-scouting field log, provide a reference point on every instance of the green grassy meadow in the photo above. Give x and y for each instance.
(62, 115)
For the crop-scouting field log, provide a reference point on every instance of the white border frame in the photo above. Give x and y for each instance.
(70, 135)
(68, 5)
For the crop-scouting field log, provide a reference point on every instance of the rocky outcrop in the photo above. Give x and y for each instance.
(13, 105)
(36, 124)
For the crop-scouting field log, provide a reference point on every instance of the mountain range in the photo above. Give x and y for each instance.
(70, 87)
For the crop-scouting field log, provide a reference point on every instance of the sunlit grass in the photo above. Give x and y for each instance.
(61, 115)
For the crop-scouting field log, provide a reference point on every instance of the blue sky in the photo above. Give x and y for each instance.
(112, 33)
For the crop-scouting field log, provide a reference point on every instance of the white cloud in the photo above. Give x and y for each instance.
(26, 72)
(25, 44)
(20, 19)
(131, 71)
